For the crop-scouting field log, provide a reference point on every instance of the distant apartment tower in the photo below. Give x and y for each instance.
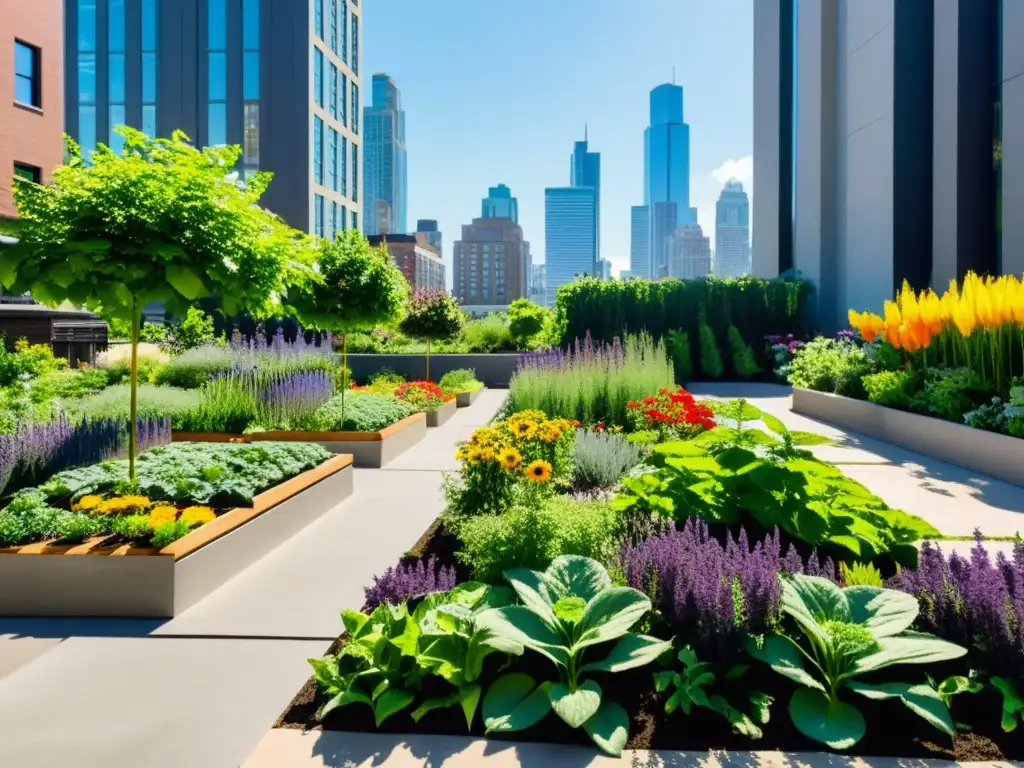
(539, 284)
(429, 231)
(604, 269)
(499, 204)
(280, 78)
(421, 265)
(732, 231)
(689, 253)
(31, 94)
(490, 263)
(385, 183)
(569, 214)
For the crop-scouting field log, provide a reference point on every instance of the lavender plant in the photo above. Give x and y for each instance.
(288, 401)
(401, 582)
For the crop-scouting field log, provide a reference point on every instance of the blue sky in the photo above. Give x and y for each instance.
(497, 92)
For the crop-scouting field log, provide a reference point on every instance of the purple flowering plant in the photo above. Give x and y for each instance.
(401, 582)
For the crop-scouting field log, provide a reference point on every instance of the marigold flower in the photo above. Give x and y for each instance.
(538, 471)
(196, 516)
(162, 514)
(122, 504)
(87, 503)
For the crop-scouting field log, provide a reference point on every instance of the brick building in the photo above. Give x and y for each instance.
(419, 262)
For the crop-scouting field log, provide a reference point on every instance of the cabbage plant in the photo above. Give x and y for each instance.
(847, 634)
(566, 611)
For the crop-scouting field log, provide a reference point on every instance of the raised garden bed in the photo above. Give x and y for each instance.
(990, 453)
(494, 369)
(439, 416)
(368, 449)
(98, 579)
(466, 399)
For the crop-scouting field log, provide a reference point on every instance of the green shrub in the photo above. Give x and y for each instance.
(29, 360)
(601, 458)
(195, 367)
(678, 343)
(531, 536)
(892, 388)
(949, 393)
(364, 412)
(643, 438)
(460, 380)
(527, 322)
(487, 334)
(30, 517)
(385, 377)
(830, 365)
(153, 403)
(69, 385)
(711, 364)
(195, 329)
(226, 404)
(743, 362)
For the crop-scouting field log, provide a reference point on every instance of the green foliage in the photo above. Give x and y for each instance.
(860, 575)
(460, 380)
(613, 308)
(363, 412)
(847, 634)
(810, 500)
(218, 474)
(526, 322)
(949, 393)
(195, 367)
(1013, 704)
(830, 365)
(743, 362)
(433, 315)
(711, 364)
(532, 534)
(226, 404)
(690, 687)
(566, 610)
(892, 388)
(29, 517)
(194, 330)
(166, 534)
(487, 334)
(678, 343)
(153, 403)
(27, 361)
(955, 686)
(601, 458)
(149, 333)
(644, 438)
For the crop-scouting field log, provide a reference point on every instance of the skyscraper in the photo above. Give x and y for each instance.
(689, 253)
(539, 284)
(585, 171)
(640, 241)
(569, 215)
(666, 181)
(491, 262)
(384, 161)
(227, 72)
(499, 204)
(732, 231)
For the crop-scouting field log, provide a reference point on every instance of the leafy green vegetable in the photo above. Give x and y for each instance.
(1013, 704)
(361, 411)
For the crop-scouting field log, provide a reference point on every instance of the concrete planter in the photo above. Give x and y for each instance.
(989, 453)
(466, 399)
(368, 449)
(91, 579)
(493, 369)
(439, 416)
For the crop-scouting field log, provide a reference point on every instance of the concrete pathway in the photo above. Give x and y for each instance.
(201, 690)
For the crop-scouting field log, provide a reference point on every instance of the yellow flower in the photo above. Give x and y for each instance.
(122, 504)
(529, 415)
(87, 503)
(162, 514)
(462, 453)
(488, 454)
(549, 432)
(196, 516)
(524, 430)
(484, 436)
(473, 455)
(510, 459)
(538, 471)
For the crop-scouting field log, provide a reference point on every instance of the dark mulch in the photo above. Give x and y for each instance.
(893, 730)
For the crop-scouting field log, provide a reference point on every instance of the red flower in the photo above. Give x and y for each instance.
(632, 405)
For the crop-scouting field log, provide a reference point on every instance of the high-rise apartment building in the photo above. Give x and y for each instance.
(385, 183)
(280, 78)
(732, 231)
(427, 229)
(585, 171)
(689, 253)
(491, 263)
(539, 284)
(499, 204)
(420, 263)
(888, 145)
(666, 182)
(31, 94)
(569, 214)
(604, 269)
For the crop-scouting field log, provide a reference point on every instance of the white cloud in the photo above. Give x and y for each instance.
(742, 169)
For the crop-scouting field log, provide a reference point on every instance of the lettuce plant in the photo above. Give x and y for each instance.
(849, 633)
(566, 610)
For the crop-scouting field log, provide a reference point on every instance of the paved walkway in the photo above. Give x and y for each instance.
(201, 690)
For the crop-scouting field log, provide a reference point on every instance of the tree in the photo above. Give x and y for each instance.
(193, 330)
(525, 321)
(161, 221)
(432, 315)
(361, 289)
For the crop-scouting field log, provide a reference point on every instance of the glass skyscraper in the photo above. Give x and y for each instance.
(499, 204)
(384, 160)
(732, 231)
(569, 215)
(585, 171)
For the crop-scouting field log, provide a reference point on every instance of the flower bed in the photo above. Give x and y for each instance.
(463, 384)
(158, 549)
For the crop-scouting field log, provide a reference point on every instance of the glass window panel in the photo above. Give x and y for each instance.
(26, 74)
(86, 25)
(116, 118)
(149, 120)
(318, 221)
(251, 24)
(318, 150)
(355, 44)
(355, 173)
(115, 64)
(87, 128)
(355, 220)
(218, 77)
(148, 78)
(115, 26)
(250, 75)
(334, 91)
(318, 76)
(30, 173)
(342, 98)
(332, 159)
(344, 166)
(24, 59)
(333, 28)
(23, 90)
(149, 25)
(87, 78)
(217, 25)
(318, 14)
(334, 219)
(343, 32)
(216, 124)
(355, 108)
(251, 138)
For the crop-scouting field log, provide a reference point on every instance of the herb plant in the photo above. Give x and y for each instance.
(460, 380)
(361, 412)
(601, 458)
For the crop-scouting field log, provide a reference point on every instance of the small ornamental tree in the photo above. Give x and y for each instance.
(525, 321)
(361, 289)
(432, 315)
(161, 221)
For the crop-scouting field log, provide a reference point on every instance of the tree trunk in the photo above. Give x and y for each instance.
(133, 411)
(428, 358)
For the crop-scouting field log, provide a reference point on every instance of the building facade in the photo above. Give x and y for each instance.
(585, 171)
(421, 265)
(490, 263)
(385, 180)
(569, 215)
(539, 284)
(888, 137)
(499, 204)
(31, 95)
(640, 241)
(427, 229)
(280, 78)
(689, 253)
(604, 269)
(732, 231)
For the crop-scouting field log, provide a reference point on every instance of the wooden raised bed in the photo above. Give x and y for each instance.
(990, 453)
(94, 579)
(368, 449)
(466, 399)
(439, 416)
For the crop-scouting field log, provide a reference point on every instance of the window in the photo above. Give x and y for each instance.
(342, 96)
(334, 220)
(28, 172)
(149, 119)
(355, 220)
(342, 216)
(217, 124)
(115, 26)
(87, 78)
(86, 25)
(343, 32)
(344, 167)
(251, 25)
(355, 44)
(333, 28)
(216, 73)
(116, 114)
(149, 37)
(148, 78)
(115, 66)
(355, 175)
(318, 213)
(217, 88)
(27, 75)
(87, 128)
(355, 108)
(251, 136)
(318, 76)
(250, 85)
(148, 25)
(318, 13)
(334, 91)
(332, 159)
(250, 75)
(318, 150)
(217, 25)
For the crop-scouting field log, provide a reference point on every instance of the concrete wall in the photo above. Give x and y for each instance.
(1013, 137)
(494, 370)
(767, 135)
